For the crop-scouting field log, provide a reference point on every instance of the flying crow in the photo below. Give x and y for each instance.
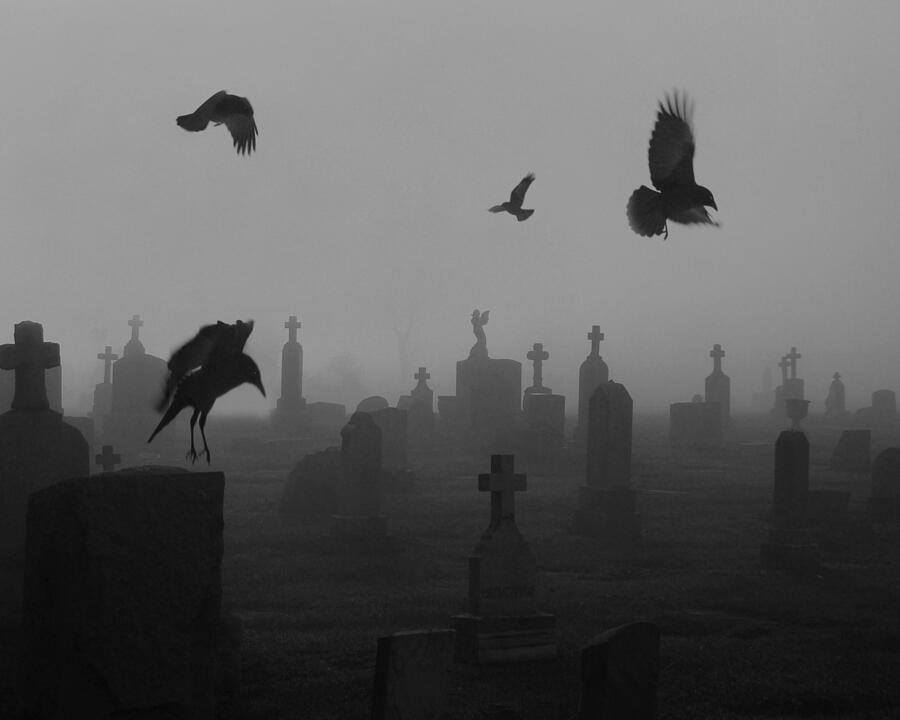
(235, 112)
(204, 369)
(671, 157)
(514, 205)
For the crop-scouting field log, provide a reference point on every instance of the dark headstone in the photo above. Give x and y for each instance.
(545, 419)
(393, 425)
(537, 355)
(103, 391)
(790, 546)
(359, 489)
(372, 403)
(718, 385)
(412, 675)
(884, 505)
(311, 487)
(123, 592)
(851, 454)
(421, 411)
(835, 403)
(37, 448)
(620, 673)
(290, 408)
(503, 623)
(592, 373)
(695, 425)
(884, 407)
(489, 393)
(107, 459)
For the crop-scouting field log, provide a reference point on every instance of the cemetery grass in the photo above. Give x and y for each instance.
(736, 642)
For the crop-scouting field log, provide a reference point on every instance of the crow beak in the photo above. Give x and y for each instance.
(261, 388)
(713, 206)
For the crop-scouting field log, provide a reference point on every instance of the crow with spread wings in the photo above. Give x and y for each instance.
(204, 369)
(514, 205)
(234, 112)
(671, 157)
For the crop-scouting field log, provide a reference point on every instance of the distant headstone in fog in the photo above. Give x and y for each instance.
(412, 675)
(884, 505)
(835, 404)
(852, 452)
(793, 386)
(107, 459)
(592, 373)
(103, 391)
(311, 488)
(421, 411)
(790, 546)
(393, 425)
(359, 489)
(289, 409)
(37, 448)
(372, 403)
(718, 385)
(537, 355)
(503, 623)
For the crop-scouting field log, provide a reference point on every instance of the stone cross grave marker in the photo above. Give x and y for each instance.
(537, 355)
(502, 483)
(717, 353)
(107, 357)
(292, 325)
(792, 357)
(108, 459)
(595, 336)
(30, 357)
(291, 402)
(422, 376)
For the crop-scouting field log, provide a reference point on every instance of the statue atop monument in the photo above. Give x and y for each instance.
(479, 349)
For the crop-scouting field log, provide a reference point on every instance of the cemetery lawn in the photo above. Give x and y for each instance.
(736, 643)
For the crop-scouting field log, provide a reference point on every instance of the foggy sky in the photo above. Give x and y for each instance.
(387, 129)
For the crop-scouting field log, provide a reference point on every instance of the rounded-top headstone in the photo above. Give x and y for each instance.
(372, 403)
(886, 474)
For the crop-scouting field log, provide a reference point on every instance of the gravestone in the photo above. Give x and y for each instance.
(107, 459)
(359, 488)
(793, 386)
(835, 404)
(37, 448)
(620, 674)
(545, 433)
(412, 675)
(592, 374)
(393, 425)
(851, 454)
(790, 546)
(53, 383)
(103, 391)
(695, 425)
(137, 379)
(884, 407)
(607, 506)
(289, 408)
(884, 505)
(372, 403)
(537, 355)
(421, 411)
(718, 385)
(311, 488)
(778, 407)
(503, 623)
(123, 593)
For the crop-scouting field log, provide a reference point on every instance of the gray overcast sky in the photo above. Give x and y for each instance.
(388, 128)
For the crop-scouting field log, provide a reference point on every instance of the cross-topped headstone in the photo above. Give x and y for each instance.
(108, 459)
(134, 346)
(502, 483)
(136, 323)
(29, 357)
(595, 336)
(783, 364)
(537, 355)
(292, 326)
(107, 357)
(793, 356)
(836, 376)
(422, 376)
(717, 353)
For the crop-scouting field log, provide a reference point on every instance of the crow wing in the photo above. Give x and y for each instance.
(671, 152)
(237, 115)
(517, 196)
(207, 110)
(696, 214)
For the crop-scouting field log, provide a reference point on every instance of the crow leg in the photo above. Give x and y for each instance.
(192, 453)
(203, 435)
(666, 228)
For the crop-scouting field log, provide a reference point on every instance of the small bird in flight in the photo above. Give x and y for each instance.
(671, 156)
(235, 112)
(202, 370)
(514, 205)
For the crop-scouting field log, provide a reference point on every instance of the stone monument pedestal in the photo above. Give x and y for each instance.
(488, 392)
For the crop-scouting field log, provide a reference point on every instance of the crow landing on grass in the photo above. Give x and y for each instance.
(235, 112)
(671, 157)
(204, 369)
(514, 205)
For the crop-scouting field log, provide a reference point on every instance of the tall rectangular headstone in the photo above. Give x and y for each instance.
(592, 373)
(718, 385)
(359, 490)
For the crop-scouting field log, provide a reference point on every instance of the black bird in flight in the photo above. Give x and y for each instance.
(514, 205)
(235, 112)
(204, 369)
(671, 156)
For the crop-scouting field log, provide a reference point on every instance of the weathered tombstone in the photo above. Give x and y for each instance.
(311, 487)
(503, 623)
(103, 391)
(107, 459)
(359, 489)
(607, 507)
(778, 407)
(592, 374)
(884, 505)
(537, 355)
(137, 380)
(835, 404)
(851, 454)
(107, 633)
(52, 380)
(620, 673)
(412, 675)
(421, 411)
(884, 407)
(793, 386)
(790, 546)
(37, 448)
(695, 425)
(718, 385)
(289, 408)
(393, 424)
(372, 403)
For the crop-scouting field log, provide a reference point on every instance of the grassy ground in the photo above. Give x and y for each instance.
(736, 642)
